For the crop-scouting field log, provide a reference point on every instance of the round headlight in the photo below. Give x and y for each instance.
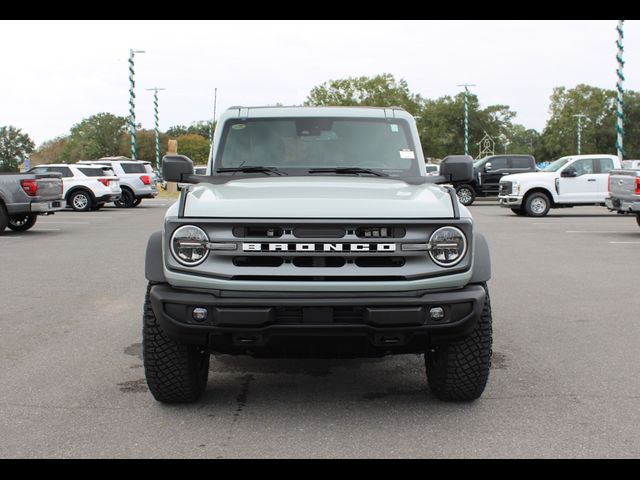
(447, 246)
(189, 245)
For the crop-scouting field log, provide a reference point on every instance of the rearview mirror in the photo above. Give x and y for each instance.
(176, 167)
(488, 167)
(458, 168)
(569, 172)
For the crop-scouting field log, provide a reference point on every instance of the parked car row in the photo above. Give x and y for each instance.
(90, 184)
(567, 182)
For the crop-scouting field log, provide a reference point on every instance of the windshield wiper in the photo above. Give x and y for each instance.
(251, 170)
(348, 170)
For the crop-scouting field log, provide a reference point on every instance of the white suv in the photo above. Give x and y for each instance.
(85, 186)
(137, 179)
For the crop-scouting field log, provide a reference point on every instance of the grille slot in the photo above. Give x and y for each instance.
(319, 278)
(380, 232)
(258, 261)
(258, 232)
(505, 188)
(306, 262)
(380, 261)
(319, 232)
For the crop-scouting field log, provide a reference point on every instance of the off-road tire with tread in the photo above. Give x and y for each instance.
(459, 370)
(136, 202)
(22, 223)
(175, 373)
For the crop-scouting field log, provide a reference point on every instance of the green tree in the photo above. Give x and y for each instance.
(441, 124)
(194, 146)
(379, 91)
(145, 145)
(15, 148)
(559, 136)
(201, 127)
(95, 137)
(50, 151)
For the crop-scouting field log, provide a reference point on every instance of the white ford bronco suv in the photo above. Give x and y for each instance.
(317, 232)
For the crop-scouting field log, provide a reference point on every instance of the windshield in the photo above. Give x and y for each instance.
(557, 165)
(296, 145)
(477, 163)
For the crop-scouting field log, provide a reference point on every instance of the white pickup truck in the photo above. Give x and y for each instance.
(624, 189)
(567, 182)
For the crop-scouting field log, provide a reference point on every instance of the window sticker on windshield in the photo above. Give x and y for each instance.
(406, 153)
(394, 127)
(238, 126)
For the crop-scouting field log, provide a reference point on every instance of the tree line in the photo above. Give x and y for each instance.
(440, 125)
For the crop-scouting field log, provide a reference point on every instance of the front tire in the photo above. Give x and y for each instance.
(81, 201)
(518, 211)
(537, 204)
(175, 373)
(466, 194)
(638, 219)
(459, 370)
(22, 223)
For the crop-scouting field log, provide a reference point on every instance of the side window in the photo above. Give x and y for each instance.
(520, 162)
(38, 170)
(606, 165)
(499, 163)
(65, 171)
(583, 167)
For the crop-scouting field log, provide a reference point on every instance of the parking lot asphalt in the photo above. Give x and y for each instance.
(565, 380)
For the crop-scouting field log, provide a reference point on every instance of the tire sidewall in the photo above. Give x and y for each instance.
(31, 221)
(126, 199)
(470, 197)
(4, 218)
(533, 210)
(78, 193)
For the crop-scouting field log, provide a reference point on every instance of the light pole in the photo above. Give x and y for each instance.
(579, 130)
(620, 92)
(132, 103)
(466, 115)
(157, 122)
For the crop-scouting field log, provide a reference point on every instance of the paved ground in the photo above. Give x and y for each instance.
(565, 380)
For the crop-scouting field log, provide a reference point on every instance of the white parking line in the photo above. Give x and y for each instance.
(8, 238)
(628, 243)
(100, 217)
(46, 229)
(601, 231)
(50, 222)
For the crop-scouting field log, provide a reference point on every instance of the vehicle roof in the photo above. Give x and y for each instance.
(309, 111)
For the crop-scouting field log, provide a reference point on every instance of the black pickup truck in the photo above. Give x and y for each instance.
(487, 173)
(24, 196)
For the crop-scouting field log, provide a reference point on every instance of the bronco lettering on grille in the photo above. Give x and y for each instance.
(319, 247)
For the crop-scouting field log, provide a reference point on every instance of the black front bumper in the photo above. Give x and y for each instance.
(287, 324)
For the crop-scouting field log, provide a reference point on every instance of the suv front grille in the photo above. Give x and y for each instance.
(366, 251)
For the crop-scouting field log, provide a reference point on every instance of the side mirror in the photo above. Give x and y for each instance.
(458, 168)
(488, 167)
(569, 172)
(175, 167)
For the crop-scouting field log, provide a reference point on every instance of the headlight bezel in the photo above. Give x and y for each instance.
(175, 254)
(465, 245)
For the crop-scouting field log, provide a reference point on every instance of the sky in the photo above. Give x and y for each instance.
(55, 73)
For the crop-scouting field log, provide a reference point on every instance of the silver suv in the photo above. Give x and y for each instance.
(137, 179)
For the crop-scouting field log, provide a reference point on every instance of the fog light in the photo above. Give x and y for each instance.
(436, 313)
(199, 314)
